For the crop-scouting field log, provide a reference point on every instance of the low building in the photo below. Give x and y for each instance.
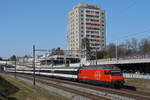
(58, 59)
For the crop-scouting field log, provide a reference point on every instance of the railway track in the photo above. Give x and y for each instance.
(70, 90)
(128, 94)
(121, 92)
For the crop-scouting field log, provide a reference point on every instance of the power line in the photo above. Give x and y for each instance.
(128, 7)
(134, 34)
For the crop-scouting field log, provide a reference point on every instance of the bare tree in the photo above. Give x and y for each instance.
(85, 45)
(128, 48)
(111, 49)
(1, 58)
(122, 50)
(57, 51)
(134, 45)
(13, 58)
(144, 46)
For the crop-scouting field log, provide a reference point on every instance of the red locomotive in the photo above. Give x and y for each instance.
(103, 74)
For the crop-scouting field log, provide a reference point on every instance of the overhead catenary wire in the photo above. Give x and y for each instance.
(128, 7)
(120, 12)
(134, 34)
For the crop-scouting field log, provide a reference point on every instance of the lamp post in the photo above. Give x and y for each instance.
(34, 50)
(15, 67)
(116, 52)
(33, 64)
(65, 58)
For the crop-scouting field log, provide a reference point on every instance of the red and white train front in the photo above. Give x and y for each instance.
(108, 75)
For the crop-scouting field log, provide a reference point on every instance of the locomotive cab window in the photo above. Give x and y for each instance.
(116, 73)
(107, 72)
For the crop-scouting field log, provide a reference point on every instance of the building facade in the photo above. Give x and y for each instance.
(88, 21)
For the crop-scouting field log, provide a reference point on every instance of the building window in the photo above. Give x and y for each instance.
(87, 19)
(102, 21)
(87, 11)
(97, 12)
(87, 35)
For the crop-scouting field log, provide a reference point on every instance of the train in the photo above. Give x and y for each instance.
(108, 75)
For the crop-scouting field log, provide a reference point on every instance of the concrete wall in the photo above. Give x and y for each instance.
(121, 61)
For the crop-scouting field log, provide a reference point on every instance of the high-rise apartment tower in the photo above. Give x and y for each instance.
(88, 21)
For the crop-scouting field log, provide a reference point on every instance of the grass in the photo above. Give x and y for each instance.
(6, 89)
(29, 92)
(140, 84)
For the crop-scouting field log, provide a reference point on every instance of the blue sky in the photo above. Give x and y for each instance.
(44, 22)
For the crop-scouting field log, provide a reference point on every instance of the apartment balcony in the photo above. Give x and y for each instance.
(94, 43)
(97, 28)
(92, 35)
(95, 20)
(95, 48)
(95, 40)
(92, 23)
(92, 15)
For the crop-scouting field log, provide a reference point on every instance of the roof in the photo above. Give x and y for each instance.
(100, 67)
(87, 67)
(89, 6)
